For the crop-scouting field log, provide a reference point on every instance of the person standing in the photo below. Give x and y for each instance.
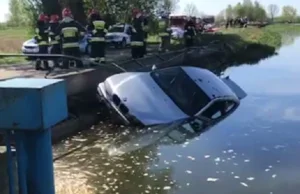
(189, 33)
(137, 35)
(97, 28)
(55, 43)
(164, 32)
(69, 32)
(41, 37)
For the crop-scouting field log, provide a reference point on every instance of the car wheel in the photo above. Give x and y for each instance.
(123, 44)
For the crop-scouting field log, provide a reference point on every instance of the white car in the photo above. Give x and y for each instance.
(31, 47)
(177, 32)
(166, 95)
(119, 35)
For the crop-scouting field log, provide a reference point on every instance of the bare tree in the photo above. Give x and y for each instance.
(273, 11)
(191, 10)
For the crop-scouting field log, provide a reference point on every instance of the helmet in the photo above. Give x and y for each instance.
(54, 18)
(42, 17)
(93, 12)
(135, 11)
(66, 13)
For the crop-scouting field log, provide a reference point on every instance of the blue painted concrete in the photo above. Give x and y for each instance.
(30, 107)
(38, 104)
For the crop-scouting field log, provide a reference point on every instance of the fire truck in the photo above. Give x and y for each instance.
(178, 20)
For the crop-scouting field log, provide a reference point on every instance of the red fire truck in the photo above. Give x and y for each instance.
(178, 20)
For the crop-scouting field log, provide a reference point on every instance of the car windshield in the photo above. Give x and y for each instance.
(183, 91)
(119, 28)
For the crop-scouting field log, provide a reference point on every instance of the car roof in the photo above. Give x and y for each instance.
(210, 83)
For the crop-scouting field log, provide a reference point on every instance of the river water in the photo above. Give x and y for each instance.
(254, 151)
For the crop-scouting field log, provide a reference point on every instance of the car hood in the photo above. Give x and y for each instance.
(115, 34)
(30, 42)
(144, 98)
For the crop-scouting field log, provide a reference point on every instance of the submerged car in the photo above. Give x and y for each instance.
(166, 95)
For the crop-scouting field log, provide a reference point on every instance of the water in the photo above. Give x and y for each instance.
(253, 151)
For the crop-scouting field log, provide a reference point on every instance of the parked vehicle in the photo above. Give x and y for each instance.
(31, 47)
(119, 35)
(166, 95)
(177, 32)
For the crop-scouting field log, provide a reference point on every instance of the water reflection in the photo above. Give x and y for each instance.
(255, 150)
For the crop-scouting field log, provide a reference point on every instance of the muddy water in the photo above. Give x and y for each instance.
(255, 150)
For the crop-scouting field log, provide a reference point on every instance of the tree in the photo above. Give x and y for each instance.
(259, 12)
(167, 5)
(191, 10)
(273, 11)
(239, 10)
(289, 13)
(220, 18)
(17, 16)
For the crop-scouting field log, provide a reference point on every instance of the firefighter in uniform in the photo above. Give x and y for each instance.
(164, 32)
(137, 37)
(189, 33)
(69, 32)
(54, 42)
(97, 28)
(146, 31)
(42, 40)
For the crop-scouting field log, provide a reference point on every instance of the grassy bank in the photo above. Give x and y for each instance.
(264, 39)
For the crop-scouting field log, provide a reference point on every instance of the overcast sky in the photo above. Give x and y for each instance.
(205, 6)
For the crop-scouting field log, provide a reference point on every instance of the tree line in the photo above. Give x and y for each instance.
(256, 12)
(25, 12)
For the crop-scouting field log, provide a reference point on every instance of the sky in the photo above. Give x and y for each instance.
(210, 7)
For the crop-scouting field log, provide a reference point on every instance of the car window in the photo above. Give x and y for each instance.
(117, 28)
(219, 109)
(182, 90)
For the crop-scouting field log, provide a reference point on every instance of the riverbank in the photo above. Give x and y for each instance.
(265, 40)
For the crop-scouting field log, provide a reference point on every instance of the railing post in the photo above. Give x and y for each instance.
(29, 108)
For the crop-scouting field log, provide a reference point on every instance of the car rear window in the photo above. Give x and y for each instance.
(182, 90)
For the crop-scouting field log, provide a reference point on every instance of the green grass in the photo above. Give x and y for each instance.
(284, 29)
(253, 35)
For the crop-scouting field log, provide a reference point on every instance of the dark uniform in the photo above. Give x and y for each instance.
(97, 28)
(146, 31)
(164, 33)
(54, 42)
(41, 37)
(69, 32)
(189, 33)
(137, 36)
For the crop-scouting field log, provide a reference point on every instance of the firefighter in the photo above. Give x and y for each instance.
(137, 37)
(164, 32)
(97, 28)
(189, 33)
(69, 32)
(146, 31)
(42, 40)
(55, 43)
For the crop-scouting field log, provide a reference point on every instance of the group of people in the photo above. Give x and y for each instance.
(64, 35)
(242, 22)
